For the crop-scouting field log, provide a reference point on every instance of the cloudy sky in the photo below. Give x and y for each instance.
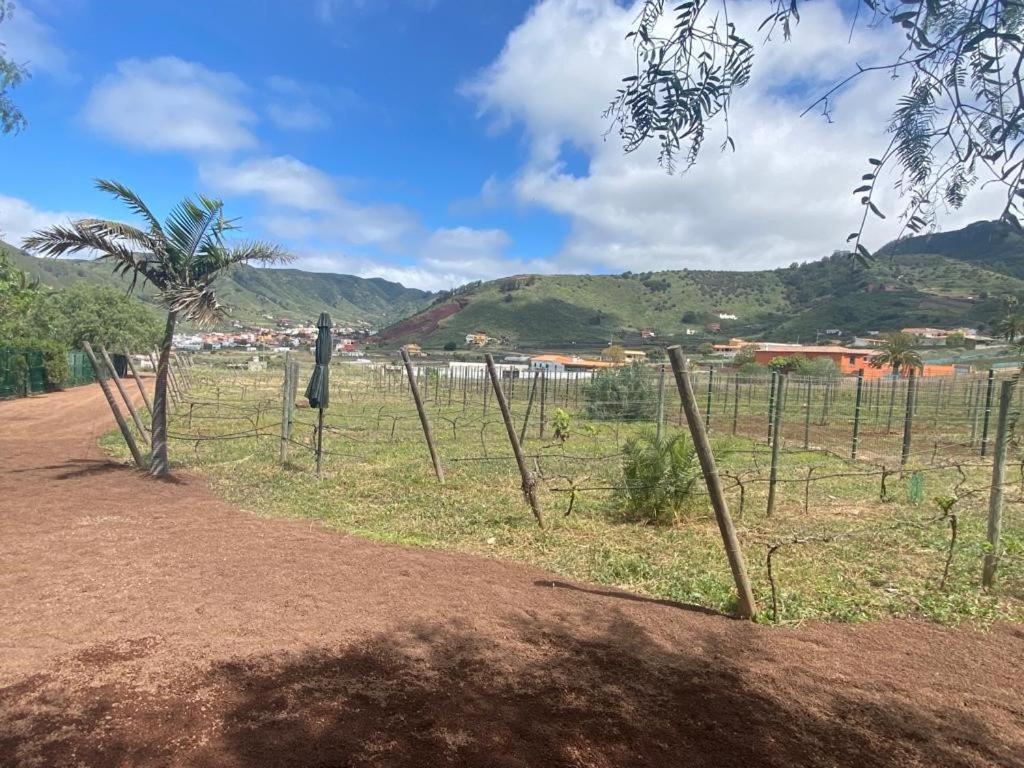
(436, 141)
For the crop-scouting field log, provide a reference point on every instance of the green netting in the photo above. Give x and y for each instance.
(79, 369)
(21, 372)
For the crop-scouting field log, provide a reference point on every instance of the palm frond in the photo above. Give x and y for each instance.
(189, 224)
(78, 237)
(195, 302)
(265, 253)
(122, 231)
(132, 200)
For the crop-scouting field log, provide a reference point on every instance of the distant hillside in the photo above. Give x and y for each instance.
(255, 293)
(944, 279)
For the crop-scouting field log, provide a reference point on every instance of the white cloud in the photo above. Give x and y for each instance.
(19, 219)
(783, 196)
(446, 258)
(297, 117)
(32, 42)
(171, 104)
(293, 105)
(305, 201)
(304, 208)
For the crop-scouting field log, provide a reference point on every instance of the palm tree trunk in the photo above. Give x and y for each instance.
(159, 466)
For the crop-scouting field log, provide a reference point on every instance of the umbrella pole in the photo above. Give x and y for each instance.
(319, 439)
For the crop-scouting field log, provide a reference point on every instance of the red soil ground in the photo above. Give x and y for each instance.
(148, 623)
(424, 323)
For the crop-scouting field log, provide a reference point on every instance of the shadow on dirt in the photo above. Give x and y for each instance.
(549, 694)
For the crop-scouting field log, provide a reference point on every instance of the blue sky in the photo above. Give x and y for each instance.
(428, 141)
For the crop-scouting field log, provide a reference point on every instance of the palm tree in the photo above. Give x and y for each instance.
(1011, 327)
(180, 258)
(898, 353)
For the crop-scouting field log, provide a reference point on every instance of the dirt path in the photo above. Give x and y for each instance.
(150, 624)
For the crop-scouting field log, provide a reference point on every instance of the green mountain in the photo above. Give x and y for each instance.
(944, 279)
(258, 294)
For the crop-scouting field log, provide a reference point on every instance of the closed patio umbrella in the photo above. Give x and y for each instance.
(318, 389)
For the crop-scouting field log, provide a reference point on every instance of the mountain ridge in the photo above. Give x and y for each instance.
(254, 293)
(944, 278)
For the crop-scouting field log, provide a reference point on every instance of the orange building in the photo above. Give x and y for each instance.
(848, 361)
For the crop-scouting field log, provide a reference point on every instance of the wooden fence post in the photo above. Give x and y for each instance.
(172, 382)
(126, 432)
(773, 473)
(856, 415)
(995, 498)
(745, 595)
(529, 482)
(138, 383)
(154, 360)
(124, 394)
(182, 378)
(771, 405)
(908, 419)
(424, 419)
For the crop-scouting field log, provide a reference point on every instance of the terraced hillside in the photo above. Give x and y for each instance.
(946, 279)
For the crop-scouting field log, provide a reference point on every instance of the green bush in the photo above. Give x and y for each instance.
(450, 346)
(55, 364)
(561, 421)
(659, 475)
(621, 393)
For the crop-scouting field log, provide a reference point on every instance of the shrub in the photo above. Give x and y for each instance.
(55, 364)
(659, 475)
(561, 421)
(450, 346)
(621, 393)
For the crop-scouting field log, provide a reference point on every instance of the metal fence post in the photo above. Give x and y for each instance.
(735, 403)
(908, 419)
(773, 473)
(988, 411)
(995, 498)
(661, 401)
(856, 414)
(707, 410)
(807, 416)
(771, 405)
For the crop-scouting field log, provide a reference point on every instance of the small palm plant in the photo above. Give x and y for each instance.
(897, 353)
(181, 258)
(659, 474)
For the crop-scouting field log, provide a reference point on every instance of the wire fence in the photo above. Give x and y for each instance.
(845, 446)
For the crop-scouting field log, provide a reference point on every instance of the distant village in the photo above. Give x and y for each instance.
(352, 340)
